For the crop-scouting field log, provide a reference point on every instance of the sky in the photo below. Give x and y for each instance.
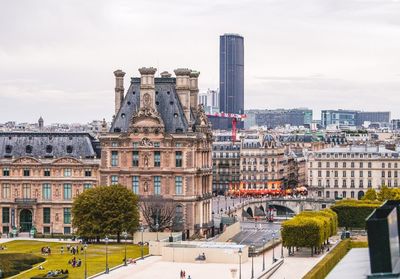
(57, 57)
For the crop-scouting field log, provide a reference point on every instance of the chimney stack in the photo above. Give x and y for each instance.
(183, 89)
(194, 90)
(119, 89)
(147, 87)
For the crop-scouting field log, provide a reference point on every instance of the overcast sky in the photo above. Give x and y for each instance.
(57, 57)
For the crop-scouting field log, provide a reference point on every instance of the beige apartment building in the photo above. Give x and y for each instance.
(262, 162)
(348, 172)
(41, 174)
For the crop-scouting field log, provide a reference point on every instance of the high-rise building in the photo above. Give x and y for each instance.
(346, 118)
(231, 78)
(210, 100)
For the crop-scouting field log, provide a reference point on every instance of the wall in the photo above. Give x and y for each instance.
(230, 232)
(213, 255)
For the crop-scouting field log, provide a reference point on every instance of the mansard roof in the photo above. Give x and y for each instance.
(167, 104)
(48, 145)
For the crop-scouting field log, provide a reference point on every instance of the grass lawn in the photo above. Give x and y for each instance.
(95, 254)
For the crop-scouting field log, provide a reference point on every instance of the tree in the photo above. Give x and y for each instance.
(159, 211)
(386, 193)
(370, 195)
(105, 210)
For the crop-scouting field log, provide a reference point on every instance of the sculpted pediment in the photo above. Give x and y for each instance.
(26, 160)
(67, 160)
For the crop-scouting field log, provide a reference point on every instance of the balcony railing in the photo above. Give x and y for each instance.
(25, 201)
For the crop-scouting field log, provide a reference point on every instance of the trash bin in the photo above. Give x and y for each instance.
(171, 239)
(347, 234)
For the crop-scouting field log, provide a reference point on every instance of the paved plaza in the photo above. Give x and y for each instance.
(153, 267)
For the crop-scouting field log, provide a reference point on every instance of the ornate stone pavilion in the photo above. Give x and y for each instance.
(160, 144)
(40, 175)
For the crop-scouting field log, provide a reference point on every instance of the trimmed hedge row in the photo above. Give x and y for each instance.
(309, 229)
(352, 213)
(13, 263)
(322, 269)
(58, 276)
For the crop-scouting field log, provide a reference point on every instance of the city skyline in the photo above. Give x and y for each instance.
(58, 59)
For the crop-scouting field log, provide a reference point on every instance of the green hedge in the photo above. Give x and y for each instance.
(321, 269)
(352, 213)
(309, 229)
(13, 263)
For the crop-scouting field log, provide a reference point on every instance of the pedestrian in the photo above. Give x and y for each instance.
(62, 250)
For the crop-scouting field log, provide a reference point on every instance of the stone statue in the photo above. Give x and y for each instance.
(146, 160)
(146, 186)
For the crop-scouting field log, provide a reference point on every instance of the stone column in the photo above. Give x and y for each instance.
(147, 88)
(194, 90)
(119, 89)
(183, 89)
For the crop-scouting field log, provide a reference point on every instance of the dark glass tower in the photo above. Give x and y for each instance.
(231, 77)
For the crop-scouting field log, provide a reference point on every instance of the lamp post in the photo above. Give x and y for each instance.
(141, 230)
(107, 270)
(84, 250)
(273, 247)
(157, 226)
(281, 245)
(240, 263)
(263, 241)
(252, 261)
(125, 235)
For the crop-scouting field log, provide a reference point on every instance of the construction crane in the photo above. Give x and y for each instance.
(235, 118)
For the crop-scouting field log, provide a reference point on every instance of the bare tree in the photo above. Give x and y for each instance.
(158, 212)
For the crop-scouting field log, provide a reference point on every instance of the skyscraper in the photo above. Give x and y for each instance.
(231, 77)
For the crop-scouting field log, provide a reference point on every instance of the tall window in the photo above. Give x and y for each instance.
(157, 185)
(114, 179)
(135, 158)
(67, 191)
(6, 172)
(114, 158)
(5, 192)
(26, 191)
(46, 191)
(135, 185)
(88, 172)
(67, 215)
(6, 215)
(178, 185)
(369, 183)
(352, 183)
(46, 215)
(157, 158)
(87, 186)
(178, 159)
(27, 172)
(46, 172)
(67, 172)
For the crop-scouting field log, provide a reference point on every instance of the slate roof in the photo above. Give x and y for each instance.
(167, 104)
(48, 145)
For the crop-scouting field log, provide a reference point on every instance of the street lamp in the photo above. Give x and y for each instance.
(273, 247)
(125, 235)
(84, 250)
(263, 241)
(240, 263)
(157, 226)
(281, 245)
(252, 261)
(107, 270)
(141, 230)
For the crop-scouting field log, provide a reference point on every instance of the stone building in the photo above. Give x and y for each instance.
(348, 172)
(41, 174)
(159, 144)
(226, 163)
(262, 162)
